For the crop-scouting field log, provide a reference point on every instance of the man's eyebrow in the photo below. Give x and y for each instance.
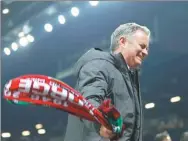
(144, 46)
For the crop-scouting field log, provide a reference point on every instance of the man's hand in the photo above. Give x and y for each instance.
(106, 133)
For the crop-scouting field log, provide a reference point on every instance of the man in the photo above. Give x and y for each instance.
(164, 136)
(102, 75)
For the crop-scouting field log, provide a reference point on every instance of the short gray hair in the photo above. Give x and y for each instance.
(126, 30)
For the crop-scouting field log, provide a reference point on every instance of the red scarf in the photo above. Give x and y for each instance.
(47, 91)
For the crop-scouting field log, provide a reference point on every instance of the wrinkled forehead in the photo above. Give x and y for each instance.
(141, 38)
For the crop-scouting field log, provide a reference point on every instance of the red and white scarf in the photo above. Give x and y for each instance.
(47, 91)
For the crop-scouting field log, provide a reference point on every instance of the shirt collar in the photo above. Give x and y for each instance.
(120, 62)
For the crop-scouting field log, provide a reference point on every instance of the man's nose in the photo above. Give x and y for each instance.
(145, 52)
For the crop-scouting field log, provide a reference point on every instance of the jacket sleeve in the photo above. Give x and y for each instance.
(92, 82)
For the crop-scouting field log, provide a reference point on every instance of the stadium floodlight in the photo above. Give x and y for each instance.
(30, 38)
(5, 11)
(38, 126)
(175, 99)
(150, 105)
(48, 27)
(94, 3)
(7, 51)
(21, 34)
(61, 19)
(14, 46)
(23, 41)
(26, 133)
(75, 11)
(6, 135)
(41, 131)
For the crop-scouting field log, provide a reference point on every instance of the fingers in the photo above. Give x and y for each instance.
(106, 133)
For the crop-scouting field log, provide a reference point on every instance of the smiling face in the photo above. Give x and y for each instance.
(134, 48)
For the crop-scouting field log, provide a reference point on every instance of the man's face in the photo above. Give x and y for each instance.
(135, 48)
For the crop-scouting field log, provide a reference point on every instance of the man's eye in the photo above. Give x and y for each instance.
(144, 46)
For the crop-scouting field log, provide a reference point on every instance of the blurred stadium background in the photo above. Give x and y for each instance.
(48, 37)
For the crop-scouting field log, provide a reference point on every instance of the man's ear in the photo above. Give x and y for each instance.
(122, 41)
